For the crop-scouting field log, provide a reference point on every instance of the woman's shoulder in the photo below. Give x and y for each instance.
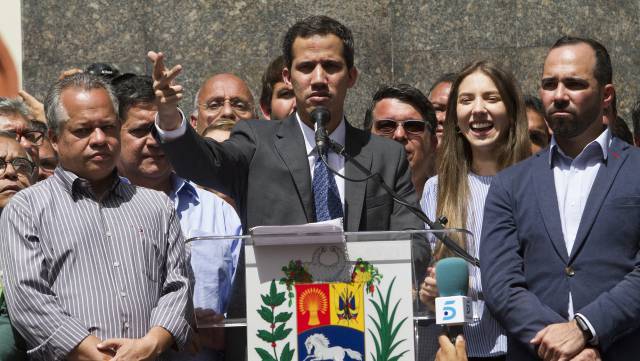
(432, 183)
(430, 192)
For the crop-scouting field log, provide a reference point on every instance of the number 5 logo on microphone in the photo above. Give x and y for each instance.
(448, 310)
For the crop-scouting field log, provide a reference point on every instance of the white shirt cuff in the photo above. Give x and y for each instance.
(594, 340)
(169, 135)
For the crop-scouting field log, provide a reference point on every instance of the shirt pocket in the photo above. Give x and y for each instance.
(149, 254)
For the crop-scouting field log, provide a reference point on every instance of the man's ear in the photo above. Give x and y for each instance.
(608, 95)
(266, 111)
(286, 76)
(53, 138)
(353, 76)
(193, 121)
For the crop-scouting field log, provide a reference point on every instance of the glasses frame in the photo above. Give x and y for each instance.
(4, 163)
(402, 123)
(236, 110)
(17, 136)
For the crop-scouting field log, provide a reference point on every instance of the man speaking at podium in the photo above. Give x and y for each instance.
(272, 169)
(268, 167)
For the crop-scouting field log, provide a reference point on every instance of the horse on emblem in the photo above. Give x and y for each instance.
(322, 352)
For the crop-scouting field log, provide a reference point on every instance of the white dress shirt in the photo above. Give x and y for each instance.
(573, 181)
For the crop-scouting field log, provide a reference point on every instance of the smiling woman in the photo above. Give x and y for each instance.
(485, 130)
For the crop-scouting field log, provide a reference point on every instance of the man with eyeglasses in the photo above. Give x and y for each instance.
(222, 96)
(16, 171)
(15, 120)
(47, 156)
(403, 113)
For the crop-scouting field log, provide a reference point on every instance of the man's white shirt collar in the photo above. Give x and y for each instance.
(338, 135)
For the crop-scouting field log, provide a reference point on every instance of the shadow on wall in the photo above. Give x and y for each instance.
(8, 74)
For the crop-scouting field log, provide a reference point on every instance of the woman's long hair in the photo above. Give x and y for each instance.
(455, 156)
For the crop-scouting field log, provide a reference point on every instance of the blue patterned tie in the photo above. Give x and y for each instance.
(325, 193)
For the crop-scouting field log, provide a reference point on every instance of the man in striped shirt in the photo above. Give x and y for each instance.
(93, 267)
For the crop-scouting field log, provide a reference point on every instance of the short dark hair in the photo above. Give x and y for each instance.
(534, 103)
(444, 78)
(271, 76)
(318, 25)
(406, 94)
(603, 71)
(635, 118)
(131, 90)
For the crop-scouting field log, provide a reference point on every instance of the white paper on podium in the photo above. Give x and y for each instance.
(327, 232)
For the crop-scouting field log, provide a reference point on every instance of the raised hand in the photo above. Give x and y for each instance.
(35, 107)
(168, 94)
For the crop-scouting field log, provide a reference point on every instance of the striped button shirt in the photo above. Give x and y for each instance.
(485, 338)
(75, 266)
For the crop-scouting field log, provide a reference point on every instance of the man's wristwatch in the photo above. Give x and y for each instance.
(586, 331)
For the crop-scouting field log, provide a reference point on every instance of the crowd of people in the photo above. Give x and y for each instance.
(102, 182)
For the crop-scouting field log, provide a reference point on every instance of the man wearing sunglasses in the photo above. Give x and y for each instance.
(14, 120)
(402, 113)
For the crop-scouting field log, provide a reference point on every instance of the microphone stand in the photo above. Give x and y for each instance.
(437, 225)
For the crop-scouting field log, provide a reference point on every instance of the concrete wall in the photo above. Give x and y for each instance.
(396, 41)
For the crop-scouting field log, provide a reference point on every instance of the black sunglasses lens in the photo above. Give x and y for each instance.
(386, 126)
(414, 126)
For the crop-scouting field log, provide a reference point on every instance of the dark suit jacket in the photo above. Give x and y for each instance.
(264, 167)
(527, 273)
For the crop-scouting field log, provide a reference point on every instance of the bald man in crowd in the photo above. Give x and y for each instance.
(222, 96)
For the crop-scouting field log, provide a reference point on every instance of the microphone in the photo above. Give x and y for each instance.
(453, 307)
(320, 117)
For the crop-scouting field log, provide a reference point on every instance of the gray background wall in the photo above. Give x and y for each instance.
(396, 40)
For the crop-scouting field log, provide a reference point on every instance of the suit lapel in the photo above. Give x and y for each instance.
(618, 152)
(545, 188)
(291, 147)
(355, 191)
